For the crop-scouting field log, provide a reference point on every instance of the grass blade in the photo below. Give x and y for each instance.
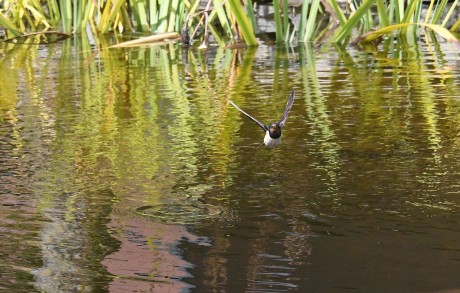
(383, 16)
(66, 15)
(250, 12)
(441, 5)
(443, 32)
(339, 13)
(163, 16)
(219, 10)
(456, 26)
(243, 22)
(286, 18)
(311, 20)
(9, 26)
(346, 29)
(449, 13)
(139, 15)
(429, 11)
(303, 19)
(173, 9)
(153, 7)
(411, 8)
(278, 24)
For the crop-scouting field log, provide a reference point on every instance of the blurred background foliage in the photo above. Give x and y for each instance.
(233, 21)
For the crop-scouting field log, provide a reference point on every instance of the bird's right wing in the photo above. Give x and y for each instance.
(288, 108)
(263, 126)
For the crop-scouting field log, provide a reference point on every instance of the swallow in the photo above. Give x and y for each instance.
(273, 131)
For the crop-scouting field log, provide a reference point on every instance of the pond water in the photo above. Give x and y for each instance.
(127, 170)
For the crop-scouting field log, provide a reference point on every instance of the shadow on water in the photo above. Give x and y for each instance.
(126, 170)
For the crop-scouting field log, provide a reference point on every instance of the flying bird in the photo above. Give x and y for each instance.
(273, 131)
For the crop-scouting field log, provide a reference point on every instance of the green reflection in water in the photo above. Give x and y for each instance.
(98, 135)
(321, 131)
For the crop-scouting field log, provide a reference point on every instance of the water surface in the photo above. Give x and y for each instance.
(127, 170)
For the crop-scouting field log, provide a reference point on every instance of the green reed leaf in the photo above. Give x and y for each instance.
(303, 20)
(383, 15)
(66, 15)
(278, 24)
(163, 16)
(250, 12)
(454, 5)
(410, 10)
(309, 29)
(443, 32)
(456, 26)
(243, 22)
(371, 36)
(338, 12)
(9, 26)
(285, 18)
(346, 29)
(440, 6)
(223, 19)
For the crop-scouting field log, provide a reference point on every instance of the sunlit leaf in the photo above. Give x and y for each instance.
(371, 36)
(456, 26)
(443, 32)
(449, 14)
(278, 24)
(311, 20)
(346, 29)
(9, 26)
(243, 22)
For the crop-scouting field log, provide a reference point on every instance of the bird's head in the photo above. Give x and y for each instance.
(274, 130)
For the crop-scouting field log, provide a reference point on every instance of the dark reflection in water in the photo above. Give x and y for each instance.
(127, 171)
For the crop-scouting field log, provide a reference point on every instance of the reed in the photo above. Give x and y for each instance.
(226, 20)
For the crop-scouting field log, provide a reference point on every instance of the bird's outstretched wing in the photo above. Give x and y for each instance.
(264, 127)
(287, 109)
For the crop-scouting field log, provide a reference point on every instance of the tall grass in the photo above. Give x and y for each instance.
(227, 20)
(394, 16)
(368, 16)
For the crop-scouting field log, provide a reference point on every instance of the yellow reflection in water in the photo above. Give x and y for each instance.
(138, 133)
(322, 130)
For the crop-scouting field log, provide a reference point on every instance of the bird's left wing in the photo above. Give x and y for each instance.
(264, 127)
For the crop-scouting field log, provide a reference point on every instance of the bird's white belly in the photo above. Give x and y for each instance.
(270, 142)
